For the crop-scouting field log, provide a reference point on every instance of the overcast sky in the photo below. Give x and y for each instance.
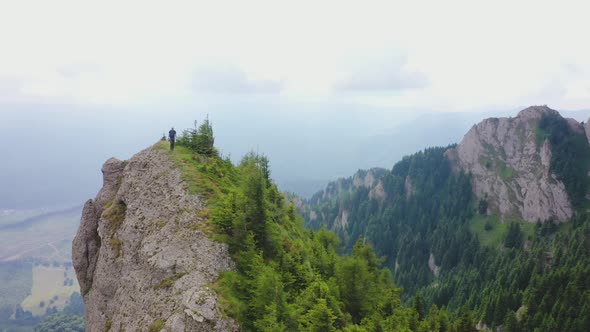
(439, 55)
(322, 87)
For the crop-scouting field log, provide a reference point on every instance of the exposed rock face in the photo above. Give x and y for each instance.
(435, 269)
(139, 256)
(511, 170)
(408, 187)
(362, 178)
(378, 192)
(587, 130)
(365, 181)
(341, 221)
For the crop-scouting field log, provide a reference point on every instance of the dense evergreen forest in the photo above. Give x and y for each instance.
(289, 278)
(521, 276)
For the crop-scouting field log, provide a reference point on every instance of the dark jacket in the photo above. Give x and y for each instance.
(172, 134)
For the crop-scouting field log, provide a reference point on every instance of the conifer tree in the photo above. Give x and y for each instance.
(204, 139)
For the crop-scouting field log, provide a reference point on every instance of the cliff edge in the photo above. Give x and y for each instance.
(140, 258)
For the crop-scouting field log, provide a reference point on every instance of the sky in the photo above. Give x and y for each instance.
(324, 88)
(434, 55)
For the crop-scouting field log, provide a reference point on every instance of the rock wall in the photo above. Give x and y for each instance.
(511, 170)
(139, 255)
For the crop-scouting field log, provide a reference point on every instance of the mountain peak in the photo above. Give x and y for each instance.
(512, 163)
(536, 112)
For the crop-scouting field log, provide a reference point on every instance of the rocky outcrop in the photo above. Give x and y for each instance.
(362, 178)
(408, 188)
(341, 221)
(378, 192)
(435, 269)
(368, 182)
(587, 130)
(511, 168)
(140, 256)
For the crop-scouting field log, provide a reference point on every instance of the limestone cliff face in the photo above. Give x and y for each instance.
(139, 255)
(511, 170)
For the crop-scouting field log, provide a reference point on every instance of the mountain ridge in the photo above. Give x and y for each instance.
(496, 163)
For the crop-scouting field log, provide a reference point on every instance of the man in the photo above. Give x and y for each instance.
(172, 137)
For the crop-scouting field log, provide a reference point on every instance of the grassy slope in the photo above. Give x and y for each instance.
(495, 236)
(203, 176)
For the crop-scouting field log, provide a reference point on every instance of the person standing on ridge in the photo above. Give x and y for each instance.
(172, 137)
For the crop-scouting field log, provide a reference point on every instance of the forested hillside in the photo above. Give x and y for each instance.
(443, 244)
(288, 278)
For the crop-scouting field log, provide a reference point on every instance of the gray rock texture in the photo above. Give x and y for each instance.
(511, 170)
(587, 130)
(140, 256)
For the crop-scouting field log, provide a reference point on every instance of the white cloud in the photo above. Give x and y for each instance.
(472, 54)
(388, 75)
(229, 79)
